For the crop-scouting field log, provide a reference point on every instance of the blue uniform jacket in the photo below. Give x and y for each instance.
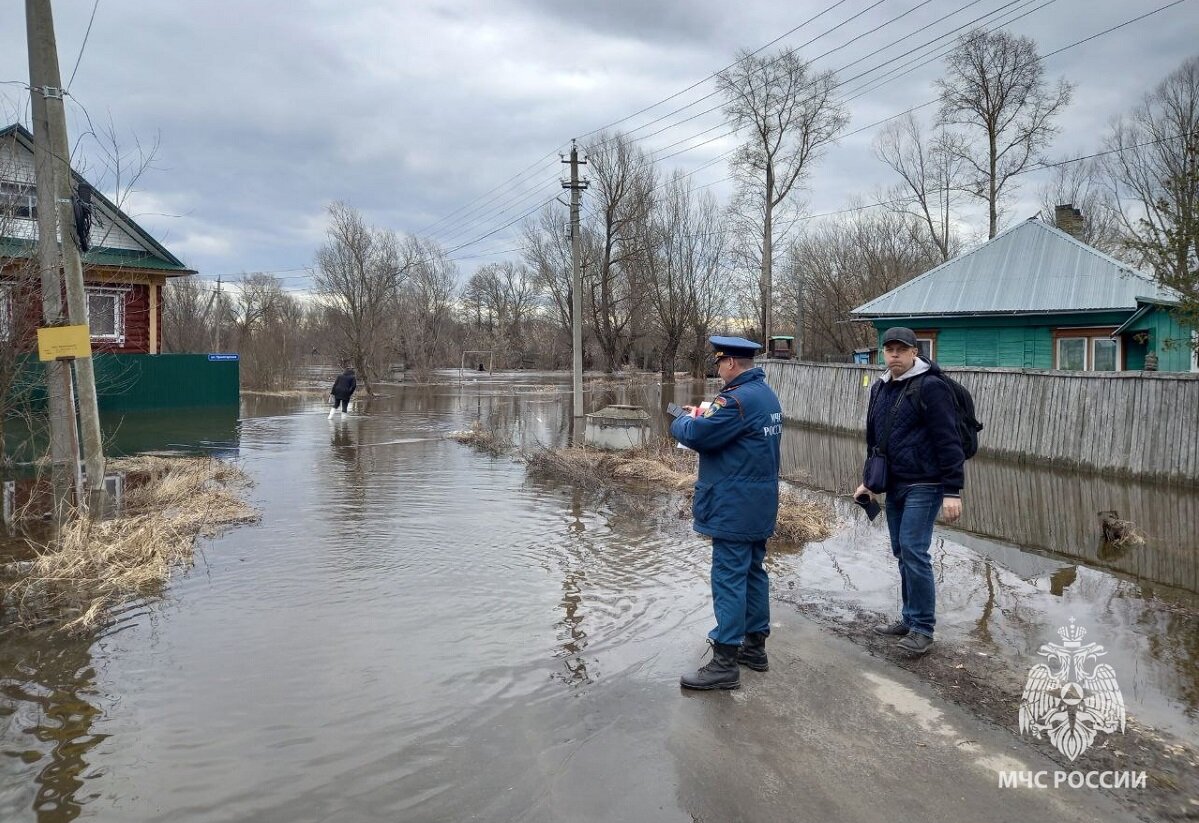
(737, 493)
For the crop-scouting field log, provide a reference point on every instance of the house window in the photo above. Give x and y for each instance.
(926, 341)
(106, 314)
(1105, 354)
(1087, 350)
(18, 199)
(1072, 353)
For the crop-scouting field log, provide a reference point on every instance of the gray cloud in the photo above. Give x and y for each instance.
(269, 110)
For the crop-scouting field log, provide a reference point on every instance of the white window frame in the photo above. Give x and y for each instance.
(12, 193)
(118, 298)
(1094, 341)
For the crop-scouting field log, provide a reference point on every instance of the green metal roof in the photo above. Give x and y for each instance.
(157, 256)
(100, 256)
(1032, 268)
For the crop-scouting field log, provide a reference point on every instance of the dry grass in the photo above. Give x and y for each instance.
(667, 468)
(482, 439)
(802, 521)
(96, 566)
(302, 392)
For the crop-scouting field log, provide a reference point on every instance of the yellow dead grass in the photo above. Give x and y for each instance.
(667, 468)
(95, 566)
(482, 439)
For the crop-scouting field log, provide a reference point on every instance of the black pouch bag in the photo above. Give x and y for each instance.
(874, 473)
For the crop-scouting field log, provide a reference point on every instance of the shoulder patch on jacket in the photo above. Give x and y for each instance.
(716, 405)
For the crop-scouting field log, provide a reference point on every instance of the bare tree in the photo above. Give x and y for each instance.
(1081, 186)
(425, 302)
(995, 90)
(789, 113)
(1154, 172)
(684, 242)
(621, 180)
(359, 272)
(190, 313)
(930, 177)
(269, 325)
(501, 297)
(848, 261)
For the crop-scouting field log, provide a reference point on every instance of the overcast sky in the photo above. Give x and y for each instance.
(268, 110)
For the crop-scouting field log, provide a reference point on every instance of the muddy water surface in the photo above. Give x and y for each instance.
(417, 631)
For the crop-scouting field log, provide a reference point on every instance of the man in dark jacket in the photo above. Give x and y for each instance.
(912, 420)
(342, 391)
(736, 503)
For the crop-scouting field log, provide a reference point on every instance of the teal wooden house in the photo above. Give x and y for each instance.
(1034, 297)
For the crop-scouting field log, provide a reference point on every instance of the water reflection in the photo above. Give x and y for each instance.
(418, 631)
(1039, 508)
(49, 704)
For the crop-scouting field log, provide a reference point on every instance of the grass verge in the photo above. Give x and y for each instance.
(92, 566)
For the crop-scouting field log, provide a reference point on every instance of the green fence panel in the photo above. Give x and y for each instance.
(126, 382)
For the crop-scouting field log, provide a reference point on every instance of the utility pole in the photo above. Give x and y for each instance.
(46, 84)
(217, 317)
(576, 187)
(64, 471)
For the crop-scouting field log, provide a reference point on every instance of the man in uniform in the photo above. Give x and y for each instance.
(736, 503)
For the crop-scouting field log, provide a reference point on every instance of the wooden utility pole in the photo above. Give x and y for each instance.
(45, 82)
(576, 187)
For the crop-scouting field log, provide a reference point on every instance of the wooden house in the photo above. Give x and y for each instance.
(124, 270)
(1034, 297)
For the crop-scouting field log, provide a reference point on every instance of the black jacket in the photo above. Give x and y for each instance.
(344, 385)
(924, 445)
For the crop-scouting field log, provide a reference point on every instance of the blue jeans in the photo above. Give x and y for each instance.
(911, 513)
(740, 590)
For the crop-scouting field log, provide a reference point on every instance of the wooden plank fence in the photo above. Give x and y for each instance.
(1132, 424)
(1036, 507)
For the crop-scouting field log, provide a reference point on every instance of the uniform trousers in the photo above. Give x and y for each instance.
(740, 590)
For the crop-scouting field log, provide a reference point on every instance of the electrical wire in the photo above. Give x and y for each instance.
(83, 45)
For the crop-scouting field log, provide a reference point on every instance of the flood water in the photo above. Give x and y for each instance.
(417, 631)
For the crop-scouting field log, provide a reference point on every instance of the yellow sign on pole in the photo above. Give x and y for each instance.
(61, 342)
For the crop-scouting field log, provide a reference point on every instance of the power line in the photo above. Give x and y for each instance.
(785, 34)
(710, 76)
(83, 45)
(936, 99)
(861, 74)
(524, 198)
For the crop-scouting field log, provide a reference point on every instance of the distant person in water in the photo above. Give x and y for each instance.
(342, 391)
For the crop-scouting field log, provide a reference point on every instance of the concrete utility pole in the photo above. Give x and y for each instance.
(64, 472)
(576, 187)
(46, 84)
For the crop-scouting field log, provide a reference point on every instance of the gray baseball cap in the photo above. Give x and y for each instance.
(900, 334)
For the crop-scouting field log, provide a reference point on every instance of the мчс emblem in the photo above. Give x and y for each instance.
(1071, 698)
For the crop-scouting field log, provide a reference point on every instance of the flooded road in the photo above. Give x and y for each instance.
(417, 631)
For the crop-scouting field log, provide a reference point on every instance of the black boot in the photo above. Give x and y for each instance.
(753, 652)
(721, 672)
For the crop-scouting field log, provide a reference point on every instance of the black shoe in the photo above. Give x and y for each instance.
(752, 653)
(896, 629)
(721, 672)
(915, 644)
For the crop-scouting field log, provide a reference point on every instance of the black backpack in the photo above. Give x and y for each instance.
(963, 404)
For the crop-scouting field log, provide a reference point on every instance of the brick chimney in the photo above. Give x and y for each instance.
(1068, 219)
